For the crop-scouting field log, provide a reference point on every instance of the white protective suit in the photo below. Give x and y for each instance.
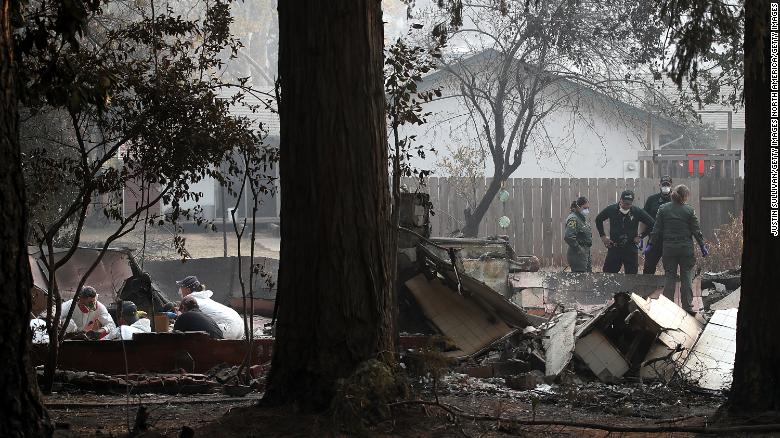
(87, 321)
(228, 320)
(39, 333)
(125, 332)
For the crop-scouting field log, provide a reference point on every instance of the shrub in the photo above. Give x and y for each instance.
(726, 247)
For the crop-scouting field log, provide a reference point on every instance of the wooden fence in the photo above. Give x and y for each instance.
(537, 208)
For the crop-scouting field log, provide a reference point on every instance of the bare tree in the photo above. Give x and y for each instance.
(525, 64)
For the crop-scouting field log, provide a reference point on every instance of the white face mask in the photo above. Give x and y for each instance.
(585, 211)
(665, 190)
(625, 210)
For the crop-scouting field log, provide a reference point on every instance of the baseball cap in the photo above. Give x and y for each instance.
(129, 308)
(129, 311)
(666, 180)
(190, 282)
(627, 195)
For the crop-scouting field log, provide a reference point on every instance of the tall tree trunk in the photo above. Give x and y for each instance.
(334, 274)
(471, 229)
(756, 385)
(21, 411)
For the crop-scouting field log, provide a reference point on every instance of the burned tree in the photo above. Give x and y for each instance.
(334, 300)
(529, 64)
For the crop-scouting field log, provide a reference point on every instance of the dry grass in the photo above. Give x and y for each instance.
(199, 244)
(726, 247)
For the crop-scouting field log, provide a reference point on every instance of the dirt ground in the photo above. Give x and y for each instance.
(199, 242)
(216, 415)
(92, 415)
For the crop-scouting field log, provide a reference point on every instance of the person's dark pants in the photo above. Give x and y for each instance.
(652, 258)
(686, 264)
(626, 256)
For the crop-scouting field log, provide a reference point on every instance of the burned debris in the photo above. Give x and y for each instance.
(473, 306)
(497, 319)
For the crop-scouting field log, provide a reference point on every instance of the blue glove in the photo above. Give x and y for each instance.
(704, 250)
(171, 315)
(641, 243)
(648, 248)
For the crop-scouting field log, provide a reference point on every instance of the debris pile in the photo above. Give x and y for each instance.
(221, 378)
(135, 383)
(631, 339)
(721, 290)
(527, 329)
(652, 400)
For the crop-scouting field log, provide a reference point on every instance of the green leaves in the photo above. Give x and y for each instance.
(130, 102)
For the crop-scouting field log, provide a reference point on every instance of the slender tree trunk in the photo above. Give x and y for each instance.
(472, 223)
(334, 275)
(756, 385)
(21, 411)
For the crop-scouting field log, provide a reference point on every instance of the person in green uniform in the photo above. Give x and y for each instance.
(652, 204)
(578, 236)
(675, 225)
(624, 236)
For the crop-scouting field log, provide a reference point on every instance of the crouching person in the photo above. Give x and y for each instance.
(192, 319)
(90, 316)
(130, 323)
(228, 320)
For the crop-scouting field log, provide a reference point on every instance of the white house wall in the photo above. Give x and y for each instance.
(207, 201)
(581, 151)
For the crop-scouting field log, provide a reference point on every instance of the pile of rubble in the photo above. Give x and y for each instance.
(631, 339)
(653, 400)
(222, 378)
(533, 328)
(87, 381)
(721, 290)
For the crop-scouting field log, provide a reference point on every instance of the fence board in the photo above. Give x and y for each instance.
(486, 227)
(494, 212)
(694, 184)
(545, 215)
(459, 206)
(517, 215)
(556, 221)
(645, 187)
(442, 214)
(528, 231)
(537, 222)
(537, 208)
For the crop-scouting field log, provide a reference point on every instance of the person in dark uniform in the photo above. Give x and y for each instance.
(578, 236)
(676, 225)
(652, 204)
(624, 218)
(193, 320)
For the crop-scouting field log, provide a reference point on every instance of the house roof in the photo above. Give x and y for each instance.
(487, 54)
